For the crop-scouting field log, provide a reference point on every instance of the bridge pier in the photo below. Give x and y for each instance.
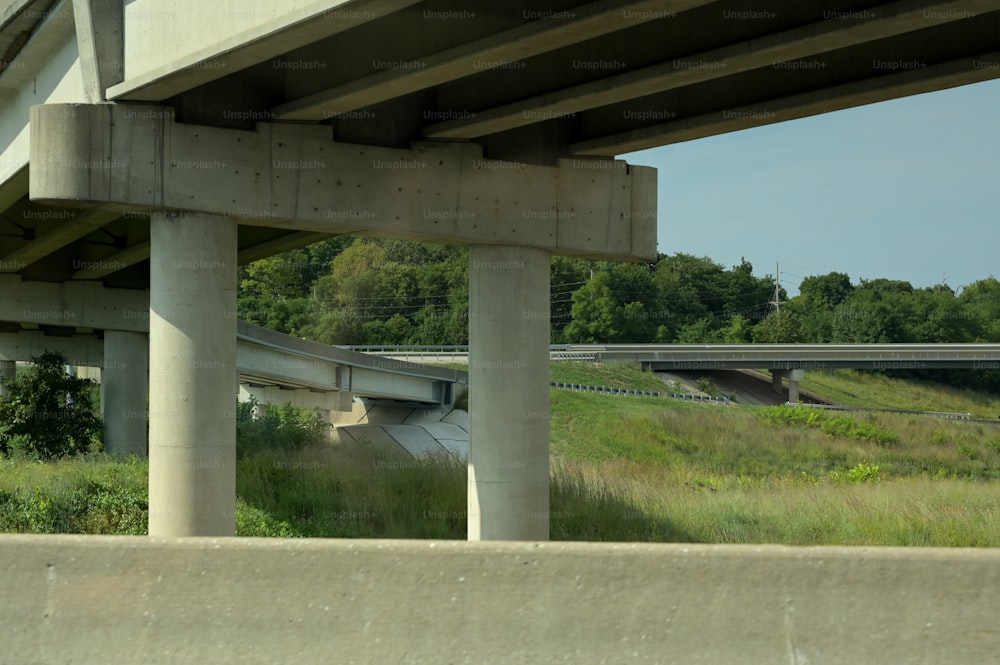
(192, 372)
(508, 393)
(8, 369)
(794, 378)
(124, 387)
(514, 216)
(776, 376)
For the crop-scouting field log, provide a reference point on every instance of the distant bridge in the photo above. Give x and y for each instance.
(797, 356)
(679, 357)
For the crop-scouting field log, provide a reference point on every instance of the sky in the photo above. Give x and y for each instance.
(907, 189)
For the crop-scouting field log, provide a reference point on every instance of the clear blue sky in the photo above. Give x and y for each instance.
(907, 189)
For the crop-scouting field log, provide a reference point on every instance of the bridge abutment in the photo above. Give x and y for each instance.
(193, 379)
(508, 393)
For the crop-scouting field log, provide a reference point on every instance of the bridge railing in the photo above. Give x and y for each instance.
(556, 351)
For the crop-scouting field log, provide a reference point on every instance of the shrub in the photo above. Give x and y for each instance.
(938, 438)
(285, 428)
(843, 426)
(707, 386)
(864, 473)
(256, 523)
(46, 413)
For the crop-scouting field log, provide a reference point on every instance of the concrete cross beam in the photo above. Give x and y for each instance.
(296, 177)
(73, 304)
(79, 350)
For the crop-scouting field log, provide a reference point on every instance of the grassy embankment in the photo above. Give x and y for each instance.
(623, 469)
(856, 388)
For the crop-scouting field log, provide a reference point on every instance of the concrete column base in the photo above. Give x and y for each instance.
(509, 325)
(192, 376)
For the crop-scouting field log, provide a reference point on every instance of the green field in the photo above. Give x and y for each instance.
(623, 468)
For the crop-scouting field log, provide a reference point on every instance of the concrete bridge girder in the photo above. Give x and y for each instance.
(514, 215)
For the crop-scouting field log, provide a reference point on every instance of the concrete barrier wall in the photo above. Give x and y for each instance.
(89, 599)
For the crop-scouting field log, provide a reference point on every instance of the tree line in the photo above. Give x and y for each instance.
(367, 291)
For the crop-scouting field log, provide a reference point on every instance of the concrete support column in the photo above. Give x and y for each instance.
(8, 368)
(776, 376)
(509, 322)
(794, 378)
(192, 375)
(124, 386)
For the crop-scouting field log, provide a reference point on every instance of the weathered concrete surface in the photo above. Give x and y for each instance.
(509, 321)
(124, 388)
(90, 599)
(182, 43)
(417, 431)
(288, 175)
(193, 378)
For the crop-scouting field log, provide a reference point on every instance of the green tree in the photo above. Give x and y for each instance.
(353, 278)
(935, 315)
(779, 327)
(981, 302)
(291, 274)
(824, 292)
(596, 316)
(339, 328)
(686, 288)
(636, 324)
(699, 332)
(739, 331)
(743, 294)
(46, 413)
(568, 275)
(865, 319)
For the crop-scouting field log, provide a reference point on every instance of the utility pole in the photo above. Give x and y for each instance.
(777, 288)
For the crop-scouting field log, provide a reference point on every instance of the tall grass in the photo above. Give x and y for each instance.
(623, 469)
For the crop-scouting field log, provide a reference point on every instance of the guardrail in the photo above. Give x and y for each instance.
(668, 357)
(631, 392)
(950, 415)
(556, 352)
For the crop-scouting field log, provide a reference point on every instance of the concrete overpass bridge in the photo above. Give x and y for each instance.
(743, 356)
(272, 367)
(158, 143)
(779, 359)
(793, 359)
